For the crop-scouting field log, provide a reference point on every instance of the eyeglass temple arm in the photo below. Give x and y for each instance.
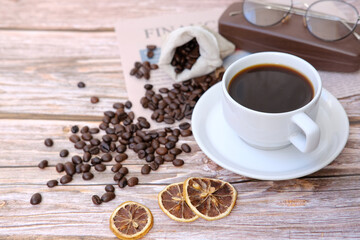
(302, 12)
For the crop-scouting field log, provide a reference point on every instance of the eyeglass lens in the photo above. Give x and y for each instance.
(266, 12)
(329, 20)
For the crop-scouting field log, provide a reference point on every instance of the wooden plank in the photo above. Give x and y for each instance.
(23, 146)
(90, 15)
(31, 90)
(27, 87)
(32, 69)
(57, 45)
(296, 209)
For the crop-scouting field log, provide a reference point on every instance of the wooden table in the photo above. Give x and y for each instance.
(46, 48)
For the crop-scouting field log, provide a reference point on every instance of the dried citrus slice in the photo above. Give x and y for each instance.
(131, 220)
(210, 199)
(172, 203)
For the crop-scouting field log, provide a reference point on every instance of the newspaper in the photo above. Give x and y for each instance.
(134, 34)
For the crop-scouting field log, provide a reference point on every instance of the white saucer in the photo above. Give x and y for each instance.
(223, 146)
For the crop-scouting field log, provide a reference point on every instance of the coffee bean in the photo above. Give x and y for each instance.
(150, 157)
(95, 142)
(76, 159)
(154, 166)
(94, 99)
(94, 130)
(107, 157)
(168, 157)
(36, 199)
(176, 132)
(163, 140)
(87, 148)
(150, 54)
(155, 144)
(84, 129)
(69, 168)
(170, 145)
(128, 104)
(81, 84)
(85, 167)
(107, 197)
(184, 126)
(118, 176)
(100, 167)
(121, 157)
(115, 168)
(52, 183)
(159, 160)
(141, 146)
(78, 168)
(87, 176)
(141, 154)
(162, 134)
(185, 147)
(178, 162)
(145, 169)
(173, 138)
(149, 150)
(148, 86)
(161, 151)
(95, 161)
(154, 66)
(59, 167)
(109, 188)
(151, 47)
(186, 133)
(43, 164)
(48, 142)
(65, 179)
(104, 147)
(103, 126)
(122, 183)
(94, 150)
(118, 105)
(121, 148)
(80, 145)
(133, 181)
(86, 136)
(74, 129)
(96, 199)
(74, 138)
(86, 156)
(175, 151)
(124, 170)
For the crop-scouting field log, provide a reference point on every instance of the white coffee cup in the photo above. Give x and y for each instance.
(274, 130)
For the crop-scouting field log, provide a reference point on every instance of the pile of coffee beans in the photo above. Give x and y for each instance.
(185, 56)
(119, 132)
(142, 70)
(176, 103)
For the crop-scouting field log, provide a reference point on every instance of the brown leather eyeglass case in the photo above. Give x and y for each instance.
(291, 37)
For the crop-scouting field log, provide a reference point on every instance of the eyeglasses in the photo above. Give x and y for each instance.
(329, 20)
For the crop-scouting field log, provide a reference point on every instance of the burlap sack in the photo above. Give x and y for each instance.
(212, 47)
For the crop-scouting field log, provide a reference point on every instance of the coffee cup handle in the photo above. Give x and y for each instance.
(307, 139)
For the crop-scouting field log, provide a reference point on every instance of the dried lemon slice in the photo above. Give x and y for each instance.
(131, 220)
(172, 203)
(210, 199)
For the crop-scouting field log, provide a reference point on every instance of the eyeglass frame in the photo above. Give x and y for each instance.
(304, 13)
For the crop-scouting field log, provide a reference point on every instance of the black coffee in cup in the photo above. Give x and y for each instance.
(271, 88)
